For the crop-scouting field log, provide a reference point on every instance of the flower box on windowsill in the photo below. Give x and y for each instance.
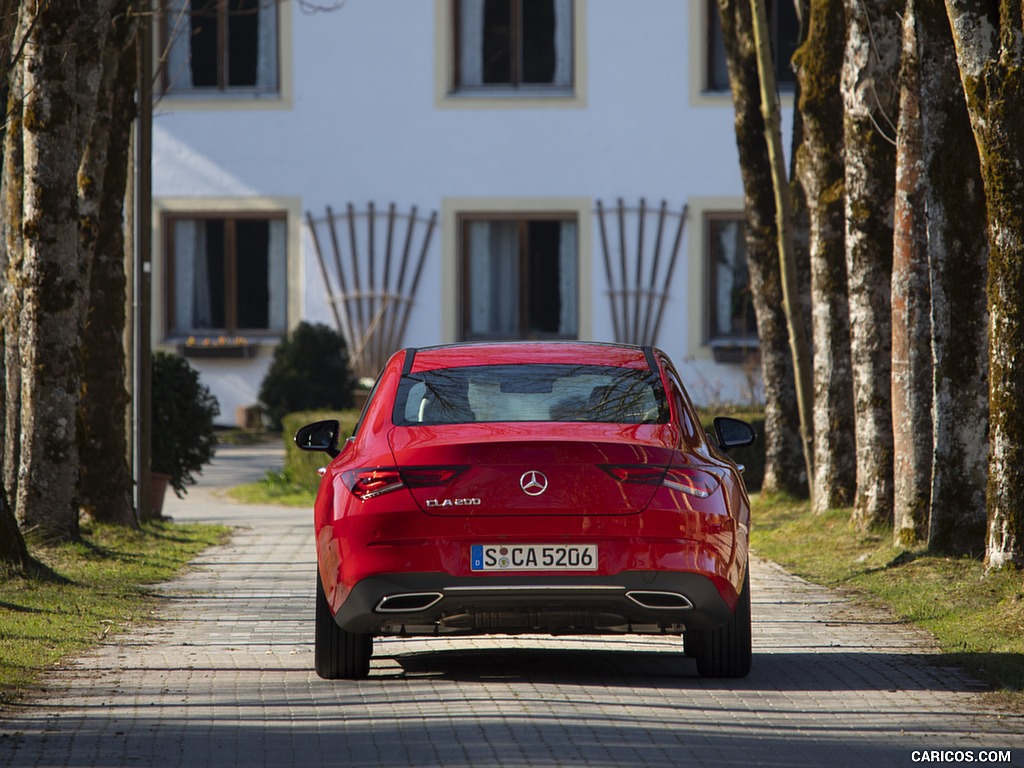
(738, 351)
(217, 349)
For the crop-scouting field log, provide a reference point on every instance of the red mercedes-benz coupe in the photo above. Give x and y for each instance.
(531, 487)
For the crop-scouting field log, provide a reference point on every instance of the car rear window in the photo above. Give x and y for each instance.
(547, 392)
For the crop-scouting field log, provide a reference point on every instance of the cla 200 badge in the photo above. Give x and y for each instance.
(453, 502)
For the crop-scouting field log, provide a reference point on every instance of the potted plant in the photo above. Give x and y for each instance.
(183, 437)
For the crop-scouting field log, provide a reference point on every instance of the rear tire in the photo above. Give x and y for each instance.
(691, 639)
(726, 651)
(338, 654)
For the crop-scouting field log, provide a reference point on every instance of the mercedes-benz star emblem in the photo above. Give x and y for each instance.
(533, 483)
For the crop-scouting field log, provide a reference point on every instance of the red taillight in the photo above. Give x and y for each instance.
(368, 483)
(695, 482)
(421, 477)
(691, 481)
(635, 473)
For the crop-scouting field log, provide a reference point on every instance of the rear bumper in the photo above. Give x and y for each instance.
(438, 603)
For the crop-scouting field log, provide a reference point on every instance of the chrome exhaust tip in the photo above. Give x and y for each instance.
(409, 602)
(663, 601)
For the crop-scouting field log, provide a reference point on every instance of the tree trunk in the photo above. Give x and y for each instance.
(95, 68)
(8, 25)
(869, 88)
(49, 325)
(13, 550)
(11, 287)
(784, 467)
(799, 348)
(819, 163)
(958, 255)
(992, 73)
(911, 309)
(105, 480)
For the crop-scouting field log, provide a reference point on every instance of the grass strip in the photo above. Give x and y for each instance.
(976, 619)
(97, 587)
(275, 488)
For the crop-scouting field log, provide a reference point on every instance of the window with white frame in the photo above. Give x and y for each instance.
(220, 47)
(783, 31)
(226, 274)
(730, 301)
(520, 277)
(510, 45)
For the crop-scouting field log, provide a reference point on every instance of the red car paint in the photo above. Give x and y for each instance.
(407, 501)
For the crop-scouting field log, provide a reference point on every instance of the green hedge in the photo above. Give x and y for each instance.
(300, 466)
(751, 458)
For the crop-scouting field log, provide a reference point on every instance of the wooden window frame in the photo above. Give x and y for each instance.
(516, 84)
(712, 336)
(784, 75)
(230, 220)
(522, 220)
(223, 88)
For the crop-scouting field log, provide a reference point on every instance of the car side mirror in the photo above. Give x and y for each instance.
(733, 433)
(319, 436)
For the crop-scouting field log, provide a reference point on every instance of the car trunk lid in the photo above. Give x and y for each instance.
(508, 469)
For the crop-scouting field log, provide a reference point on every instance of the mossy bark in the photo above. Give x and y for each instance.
(819, 163)
(14, 550)
(911, 307)
(992, 73)
(1004, 184)
(95, 65)
(958, 259)
(784, 466)
(105, 480)
(49, 321)
(869, 86)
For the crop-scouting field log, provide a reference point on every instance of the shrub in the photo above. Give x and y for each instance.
(752, 457)
(300, 466)
(183, 438)
(310, 371)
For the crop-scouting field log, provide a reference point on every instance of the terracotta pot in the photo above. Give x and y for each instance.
(158, 483)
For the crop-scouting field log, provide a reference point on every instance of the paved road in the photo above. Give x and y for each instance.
(225, 679)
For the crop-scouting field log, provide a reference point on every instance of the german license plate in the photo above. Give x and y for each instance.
(533, 557)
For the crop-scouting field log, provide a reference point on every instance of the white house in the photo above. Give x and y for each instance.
(423, 171)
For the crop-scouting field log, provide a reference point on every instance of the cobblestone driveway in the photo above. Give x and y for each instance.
(225, 679)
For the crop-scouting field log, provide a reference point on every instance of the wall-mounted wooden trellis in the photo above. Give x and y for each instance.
(638, 284)
(371, 286)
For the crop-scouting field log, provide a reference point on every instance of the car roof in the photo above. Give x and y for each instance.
(527, 352)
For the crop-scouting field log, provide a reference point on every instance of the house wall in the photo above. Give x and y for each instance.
(365, 118)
